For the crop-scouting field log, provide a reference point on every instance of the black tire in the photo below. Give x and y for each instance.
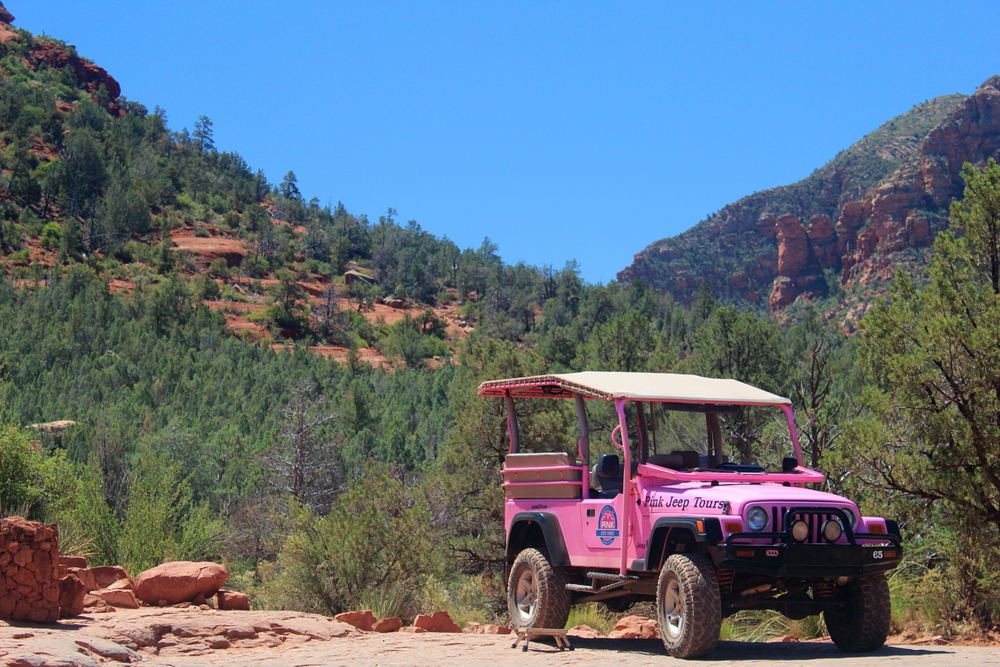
(688, 606)
(863, 624)
(546, 604)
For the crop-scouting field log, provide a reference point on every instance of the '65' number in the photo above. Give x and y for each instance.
(877, 555)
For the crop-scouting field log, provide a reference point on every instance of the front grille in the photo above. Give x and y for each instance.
(815, 522)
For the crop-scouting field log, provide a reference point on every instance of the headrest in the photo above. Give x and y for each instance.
(608, 465)
(690, 459)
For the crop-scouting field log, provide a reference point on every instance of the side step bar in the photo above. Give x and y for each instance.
(616, 580)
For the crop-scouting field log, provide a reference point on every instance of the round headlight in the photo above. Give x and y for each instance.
(800, 531)
(757, 519)
(851, 516)
(832, 530)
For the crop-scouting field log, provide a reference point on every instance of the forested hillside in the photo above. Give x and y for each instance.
(290, 387)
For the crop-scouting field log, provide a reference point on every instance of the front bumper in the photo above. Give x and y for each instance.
(784, 557)
(810, 560)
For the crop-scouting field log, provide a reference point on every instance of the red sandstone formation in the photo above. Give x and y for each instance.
(180, 581)
(439, 621)
(788, 236)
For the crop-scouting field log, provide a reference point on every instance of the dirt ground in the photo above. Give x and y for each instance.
(190, 637)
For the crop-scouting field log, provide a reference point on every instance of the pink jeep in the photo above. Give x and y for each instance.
(701, 536)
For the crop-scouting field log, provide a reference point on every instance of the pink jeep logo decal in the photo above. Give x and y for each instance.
(607, 525)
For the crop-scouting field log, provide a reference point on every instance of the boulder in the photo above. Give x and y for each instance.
(72, 561)
(85, 575)
(119, 597)
(362, 620)
(391, 624)
(232, 600)
(439, 621)
(179, 581)
(121, 584)
(635, 627)
(584, 632)
(412, 628)
(473, 628)
(106, 575)
(71, 594)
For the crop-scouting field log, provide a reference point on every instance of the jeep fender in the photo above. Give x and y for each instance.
(710, 534)
(525, 529)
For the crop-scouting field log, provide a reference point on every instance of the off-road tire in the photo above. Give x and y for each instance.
(552, 603)
(701, 616)
(864, 623)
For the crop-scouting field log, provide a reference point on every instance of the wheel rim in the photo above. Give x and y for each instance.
(673, 609)
(526, 595)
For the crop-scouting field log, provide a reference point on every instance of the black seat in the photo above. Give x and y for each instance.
(608, 475)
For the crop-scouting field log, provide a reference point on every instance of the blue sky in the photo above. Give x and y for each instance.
(560, 130)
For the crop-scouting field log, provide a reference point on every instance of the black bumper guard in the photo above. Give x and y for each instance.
(786, 557)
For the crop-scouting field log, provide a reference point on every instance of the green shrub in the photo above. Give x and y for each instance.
(156, 504)
(51, 234)
(376, 538)
(206, 289)
(19, 469)
(219, 268)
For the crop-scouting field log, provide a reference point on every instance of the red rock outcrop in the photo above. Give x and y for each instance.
(72, 561)
(180, 581)
(119, 597)
(439, 621)
(5, 16)
(71, 593)
(839, 219)
(635, 627)
(799, 269)
(362, 620)
(232, 601)
(473, 628)
(391, 624)
(90, 76)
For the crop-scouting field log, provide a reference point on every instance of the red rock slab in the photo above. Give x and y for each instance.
(119, 597)
(106, 575)
(439, 621)
(71, 594)
(72, 561)
(232, 600)
(473, 628)
(362, 620)
(206, 249)
(391, 624)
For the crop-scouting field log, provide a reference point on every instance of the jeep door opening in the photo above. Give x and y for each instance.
(702, 536)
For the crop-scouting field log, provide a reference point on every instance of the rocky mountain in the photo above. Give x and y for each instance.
(843, 230)
(54, 55)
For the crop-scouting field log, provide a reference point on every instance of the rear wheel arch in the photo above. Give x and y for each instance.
(536, 530)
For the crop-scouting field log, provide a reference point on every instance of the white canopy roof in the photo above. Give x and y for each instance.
(665, 387)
